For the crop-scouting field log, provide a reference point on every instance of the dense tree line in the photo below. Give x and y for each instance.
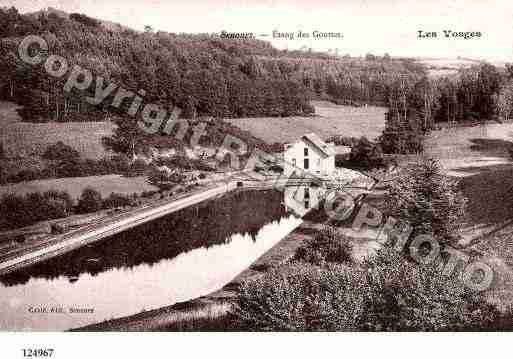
(479, 93)
(24, 210)
(504, 98)
(201, 74)
(61, 161)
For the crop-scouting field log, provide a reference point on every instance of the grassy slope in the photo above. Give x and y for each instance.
(478, 157)
(330, 120)
(32, 138)
(75, 185)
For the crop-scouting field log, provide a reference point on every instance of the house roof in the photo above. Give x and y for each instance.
(319, 143)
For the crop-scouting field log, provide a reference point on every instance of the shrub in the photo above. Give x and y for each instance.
(24, 175)
(366, 154)
(117, 200)
(326, 246)
(69, 168)
(147, 194)
(343, 140)
(89, 167)
(162, 177)
(202, 176)
(181, 162)
(61, 152)
(138, 167)
(427, 200)
(299, 298)
(19, 211)
(387, 293)
(403, 133)
(409, 296)
(14, 211)
(56, 204)
(201, 165)
(90, 201)
(118, 163)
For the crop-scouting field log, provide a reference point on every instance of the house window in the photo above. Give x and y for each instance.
(318, 162)
(307, 164)
(294, 162)
(306, 151)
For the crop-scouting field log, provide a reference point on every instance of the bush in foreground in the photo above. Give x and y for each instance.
(410, 296)
(301, 298)
(385, 294)
(326, 246)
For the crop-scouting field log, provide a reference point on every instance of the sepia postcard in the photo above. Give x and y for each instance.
(255, 166)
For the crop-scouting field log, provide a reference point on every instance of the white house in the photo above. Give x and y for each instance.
(310, 153)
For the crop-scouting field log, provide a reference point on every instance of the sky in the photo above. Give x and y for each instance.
(368, 26)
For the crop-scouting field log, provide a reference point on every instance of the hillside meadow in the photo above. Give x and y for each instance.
(25, 139)
(329, 120)
(75, 185)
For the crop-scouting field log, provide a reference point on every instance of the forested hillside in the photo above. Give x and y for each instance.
(476, 94)
(201, 74)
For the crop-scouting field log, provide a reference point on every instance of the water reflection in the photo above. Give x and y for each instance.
(302, 199)
(205, 225)
(175, 258)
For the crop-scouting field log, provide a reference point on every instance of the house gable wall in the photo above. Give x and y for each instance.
(317, 160)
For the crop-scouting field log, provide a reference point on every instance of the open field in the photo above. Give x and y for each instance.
(330, 119)
(464, 151)
(440, 67)
(75, 185)
(478, 157)
(21, 138)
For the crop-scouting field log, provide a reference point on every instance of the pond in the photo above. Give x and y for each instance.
(176, 258)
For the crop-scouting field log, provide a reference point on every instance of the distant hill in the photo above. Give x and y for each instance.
(108, 25)
(204, 75)
(438, 66)
(48, 11)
